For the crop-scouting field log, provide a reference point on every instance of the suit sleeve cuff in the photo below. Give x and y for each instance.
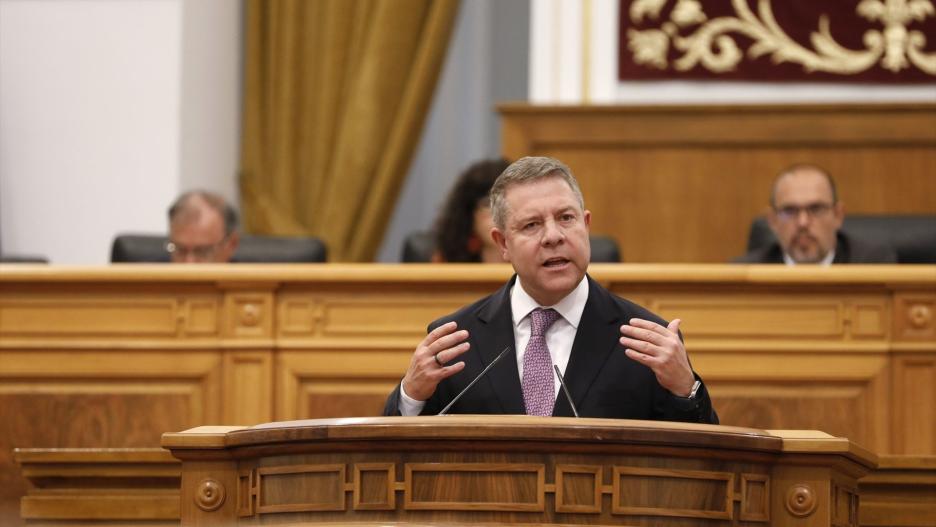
(409, 406)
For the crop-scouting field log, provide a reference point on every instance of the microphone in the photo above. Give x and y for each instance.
(476, 379)
(565, 389)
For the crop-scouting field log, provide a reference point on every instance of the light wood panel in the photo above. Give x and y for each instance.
(83, 487)
(848, 350)
(682, 183)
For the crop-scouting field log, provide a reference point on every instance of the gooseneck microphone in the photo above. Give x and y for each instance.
(476, 379)
(565, 389)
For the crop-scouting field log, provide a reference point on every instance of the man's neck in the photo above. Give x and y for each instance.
(826, 260)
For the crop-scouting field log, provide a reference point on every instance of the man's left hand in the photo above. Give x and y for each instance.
(660, 349)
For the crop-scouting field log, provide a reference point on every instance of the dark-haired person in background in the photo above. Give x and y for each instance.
(202, 229)
(619, 360)
(462, 231)
(805, 215)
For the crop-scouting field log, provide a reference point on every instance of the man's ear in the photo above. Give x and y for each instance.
(501, 241)
(586, 216)
(230, 245)
(839, 211)
(772, 220)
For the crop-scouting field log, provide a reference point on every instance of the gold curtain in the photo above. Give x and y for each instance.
(336, 94)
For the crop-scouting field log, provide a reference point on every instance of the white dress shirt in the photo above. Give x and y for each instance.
(559, 337)
(825, 261)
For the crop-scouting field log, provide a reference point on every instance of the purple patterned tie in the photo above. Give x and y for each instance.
(538, 385)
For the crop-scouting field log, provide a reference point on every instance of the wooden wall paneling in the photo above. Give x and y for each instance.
(682, 183)
(915, 321)
(372, 314)
(99, 486)
(847, 349)
(371, 329)
(248, 314)
(800, 359)
(319, 383)
(89, 398)
(914, 426)
(843, 394)
(901, 492)
(914, 373)
(248, 387)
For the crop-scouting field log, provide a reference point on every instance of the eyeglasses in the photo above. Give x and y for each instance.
(813, 210)
(199, 252)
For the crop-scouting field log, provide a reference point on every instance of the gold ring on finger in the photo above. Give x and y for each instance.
(436, 357)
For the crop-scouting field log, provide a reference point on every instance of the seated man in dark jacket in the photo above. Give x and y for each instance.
(805, 215)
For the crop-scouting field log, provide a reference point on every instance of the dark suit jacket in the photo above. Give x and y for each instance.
(848, 249)
(603, 381)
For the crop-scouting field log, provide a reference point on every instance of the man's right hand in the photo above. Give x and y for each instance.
(426, 369)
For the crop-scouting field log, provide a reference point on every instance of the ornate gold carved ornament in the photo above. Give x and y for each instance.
(711, 44)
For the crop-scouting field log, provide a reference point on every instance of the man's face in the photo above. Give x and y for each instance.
(804, 217)
(201, 239)
(545, 238)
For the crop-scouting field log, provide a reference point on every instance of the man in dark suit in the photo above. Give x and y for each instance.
(805, 215)
(618, 359)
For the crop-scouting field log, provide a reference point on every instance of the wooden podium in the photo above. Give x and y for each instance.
(519, 470)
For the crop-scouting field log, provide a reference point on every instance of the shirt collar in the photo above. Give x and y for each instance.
(825, 261)
(570, 307)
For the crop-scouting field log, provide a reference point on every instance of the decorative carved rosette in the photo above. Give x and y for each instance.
(801, 500)
(209, 495)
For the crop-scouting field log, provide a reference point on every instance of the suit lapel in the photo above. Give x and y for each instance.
(503, 379)
(596, 337)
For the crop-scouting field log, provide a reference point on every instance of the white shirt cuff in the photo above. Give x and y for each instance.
(409, 406)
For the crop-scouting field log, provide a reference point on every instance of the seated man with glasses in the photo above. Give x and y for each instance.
(805, 215)
(202, 229)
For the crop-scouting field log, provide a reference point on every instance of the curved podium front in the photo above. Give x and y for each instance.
(472, 470)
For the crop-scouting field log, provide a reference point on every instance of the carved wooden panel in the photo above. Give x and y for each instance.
(88, 317)
(755, 493)
(915, 318)
(374, 486)
(91, 487)
(117, 315)
(844, 506)
(914, 428)
(667, 492)
(375, 315)
(248, 315)
(791, 316)
(317, 383)
(301, 488)
(248, 387)
(604, 487)
(846, 409)
(93, 399)
(474, 486)
(578, 488)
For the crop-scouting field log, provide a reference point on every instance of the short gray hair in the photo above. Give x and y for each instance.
(528, 170)
(191, 202)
